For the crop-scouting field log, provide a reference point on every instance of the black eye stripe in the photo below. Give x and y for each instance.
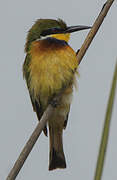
(52, 31)
(46, 32)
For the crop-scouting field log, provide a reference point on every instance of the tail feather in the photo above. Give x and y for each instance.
(57, 161)
(57, 157)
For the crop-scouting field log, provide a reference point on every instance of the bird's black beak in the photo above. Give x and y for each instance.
(63, 31)
(76, 28)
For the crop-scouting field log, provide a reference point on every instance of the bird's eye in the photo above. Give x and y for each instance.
(54, 30)
(51, 31)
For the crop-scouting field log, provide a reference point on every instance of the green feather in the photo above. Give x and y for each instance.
(26, 72)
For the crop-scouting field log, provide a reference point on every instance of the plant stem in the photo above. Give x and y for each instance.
(105, 134)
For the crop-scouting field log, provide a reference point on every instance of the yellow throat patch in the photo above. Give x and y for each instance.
(64, 37)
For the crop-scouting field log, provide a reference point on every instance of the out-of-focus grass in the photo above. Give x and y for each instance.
(105, 134)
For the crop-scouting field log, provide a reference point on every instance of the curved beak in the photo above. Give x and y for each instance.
(69, 29)
(76, 28)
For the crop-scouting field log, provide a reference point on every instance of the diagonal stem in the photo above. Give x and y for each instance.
(94, 30)
(30, 143)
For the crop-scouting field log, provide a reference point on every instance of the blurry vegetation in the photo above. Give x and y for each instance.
(106, 128)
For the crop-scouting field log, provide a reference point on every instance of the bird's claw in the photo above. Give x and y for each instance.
(55, 102)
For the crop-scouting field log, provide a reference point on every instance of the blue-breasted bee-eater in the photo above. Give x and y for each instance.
(49, 69)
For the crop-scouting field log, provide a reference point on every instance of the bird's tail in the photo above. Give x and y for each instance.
(56, 156)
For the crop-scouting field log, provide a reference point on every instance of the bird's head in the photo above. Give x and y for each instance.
(44, 28)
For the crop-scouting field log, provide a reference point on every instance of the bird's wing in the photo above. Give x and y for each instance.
(37, 107)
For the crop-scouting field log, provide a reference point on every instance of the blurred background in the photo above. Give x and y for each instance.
(17, 119)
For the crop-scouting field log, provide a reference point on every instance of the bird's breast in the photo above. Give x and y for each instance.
(52, 67)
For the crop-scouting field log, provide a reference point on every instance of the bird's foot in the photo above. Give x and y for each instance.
(55, 102)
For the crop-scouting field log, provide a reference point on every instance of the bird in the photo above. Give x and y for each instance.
(50, 68)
